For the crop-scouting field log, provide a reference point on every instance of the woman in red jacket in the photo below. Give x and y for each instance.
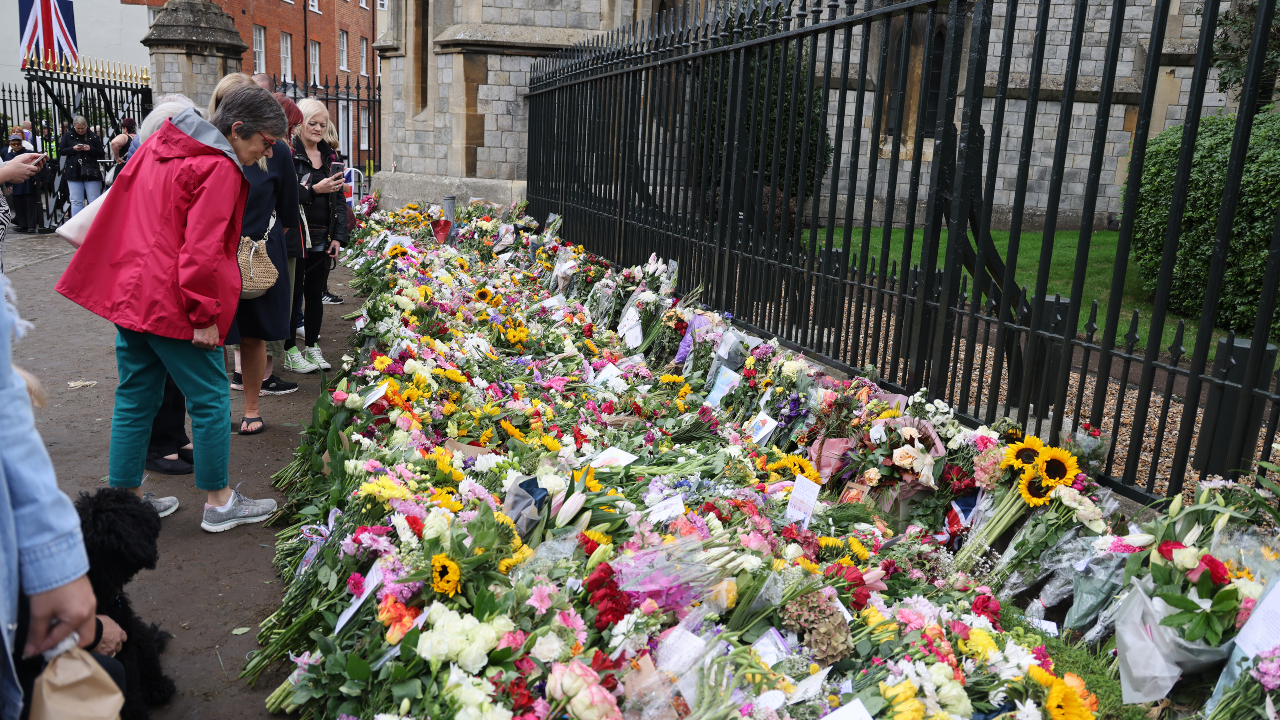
(160, 263)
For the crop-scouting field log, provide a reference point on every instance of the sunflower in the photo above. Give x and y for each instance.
(1057, 466)
(444, 575)
(1034, 492)
(1022, 454)
(484, 295)
(859, 549)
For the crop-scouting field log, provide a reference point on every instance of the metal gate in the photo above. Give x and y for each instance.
(737, 137)
(56, 91)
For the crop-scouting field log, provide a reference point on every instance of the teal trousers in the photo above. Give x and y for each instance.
(142, 360)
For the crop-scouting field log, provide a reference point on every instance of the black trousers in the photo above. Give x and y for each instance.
(169, 429)
(26, 211)
(30, 668)
(311, 279)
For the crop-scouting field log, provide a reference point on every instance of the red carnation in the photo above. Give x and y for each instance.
(1167, 547)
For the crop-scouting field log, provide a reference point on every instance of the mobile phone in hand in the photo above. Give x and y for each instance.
(336, 168)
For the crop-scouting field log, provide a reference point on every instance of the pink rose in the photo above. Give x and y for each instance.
(514, 639)
(595, 703)
(339, 397)
(754, 541)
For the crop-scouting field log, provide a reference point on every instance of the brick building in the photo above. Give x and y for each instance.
(303, 40)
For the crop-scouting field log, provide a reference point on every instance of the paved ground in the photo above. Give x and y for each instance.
(205, 585)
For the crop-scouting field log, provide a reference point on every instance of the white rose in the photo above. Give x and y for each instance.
(553, 484)
(433, 646)
(435, 612)
(473, 658)
(502, 625)
(548, 648)
(483, 636)
(792, 552)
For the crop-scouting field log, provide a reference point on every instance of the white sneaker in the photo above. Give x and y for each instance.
(295, 361)
(317, 359)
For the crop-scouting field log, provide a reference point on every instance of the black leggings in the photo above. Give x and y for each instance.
(308, 291)
(169, 429)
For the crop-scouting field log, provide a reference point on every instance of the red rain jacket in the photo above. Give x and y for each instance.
(160, 257)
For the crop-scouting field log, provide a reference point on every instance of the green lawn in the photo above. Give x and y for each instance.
(1097, 276)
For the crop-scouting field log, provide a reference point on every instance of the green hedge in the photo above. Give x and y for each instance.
(1255, 218)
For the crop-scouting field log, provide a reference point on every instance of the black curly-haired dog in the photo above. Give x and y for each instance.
(120, 532)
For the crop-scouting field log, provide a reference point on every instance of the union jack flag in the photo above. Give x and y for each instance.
(48, 29)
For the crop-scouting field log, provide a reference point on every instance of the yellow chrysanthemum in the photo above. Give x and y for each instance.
(1057, 466)
(684, 392)
(448, 409)
(382, 362)
(385, 489)
(979, 645)
(671, 379)
(455, 376)
(445, 575)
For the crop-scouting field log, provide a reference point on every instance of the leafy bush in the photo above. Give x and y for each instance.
(1251, 233)
(772, 80)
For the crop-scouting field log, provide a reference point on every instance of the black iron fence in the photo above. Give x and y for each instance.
(56, 91)
(831, 174)
(355, 109)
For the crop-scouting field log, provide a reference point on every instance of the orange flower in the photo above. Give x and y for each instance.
(1075, 682)
(397, 617)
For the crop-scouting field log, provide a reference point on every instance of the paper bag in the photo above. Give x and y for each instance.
(75, 229)
(74, 685)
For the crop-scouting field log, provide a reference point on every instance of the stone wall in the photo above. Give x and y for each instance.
(193, 75)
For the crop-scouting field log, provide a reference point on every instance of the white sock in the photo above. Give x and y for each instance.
(229, 503)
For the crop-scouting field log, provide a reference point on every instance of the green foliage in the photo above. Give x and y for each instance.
(773, 78)
(1251, 231)
(1097, 668)
(1231, 49)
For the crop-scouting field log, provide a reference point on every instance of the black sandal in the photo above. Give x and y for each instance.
(250, 420)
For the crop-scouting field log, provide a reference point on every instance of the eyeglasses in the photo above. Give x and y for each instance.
(267, 143)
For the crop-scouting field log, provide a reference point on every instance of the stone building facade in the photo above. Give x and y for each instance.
(457, 73)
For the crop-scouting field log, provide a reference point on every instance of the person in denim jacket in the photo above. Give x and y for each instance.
(42, 550)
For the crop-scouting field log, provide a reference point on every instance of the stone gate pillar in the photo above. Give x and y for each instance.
(193, 44)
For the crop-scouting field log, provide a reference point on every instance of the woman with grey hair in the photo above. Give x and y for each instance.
(80, 151)
(160, 263)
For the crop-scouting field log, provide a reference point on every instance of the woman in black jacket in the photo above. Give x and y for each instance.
(81, 150)
(325, 215)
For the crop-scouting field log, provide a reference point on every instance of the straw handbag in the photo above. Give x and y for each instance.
(257, 273)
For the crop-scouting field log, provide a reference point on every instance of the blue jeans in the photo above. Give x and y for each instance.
(83, 192)
(142, 360)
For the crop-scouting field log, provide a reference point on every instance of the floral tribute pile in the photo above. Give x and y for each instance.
(542, 487)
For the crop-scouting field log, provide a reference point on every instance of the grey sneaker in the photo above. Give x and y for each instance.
(242, 512)
(164, 506)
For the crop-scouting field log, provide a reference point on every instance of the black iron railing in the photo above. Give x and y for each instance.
(737, 137)
(355, 109)
(56, 91)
